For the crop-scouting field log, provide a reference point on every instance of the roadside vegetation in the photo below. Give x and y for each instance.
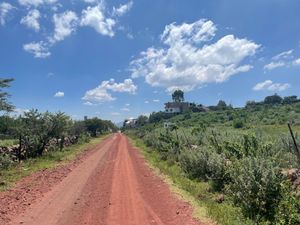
(16, 171)
(196, 192)
(240, 164)
(37, 140)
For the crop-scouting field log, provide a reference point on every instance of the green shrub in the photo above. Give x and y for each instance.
(168, 143)
(150, 139)
(255, 187)
(233, 150)
(288, 210)
(195, 163)
(205, 164)
(218, 175)
(238, 124)
(5, 161)
(84, 139)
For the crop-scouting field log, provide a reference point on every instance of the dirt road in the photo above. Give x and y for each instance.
(111, 186)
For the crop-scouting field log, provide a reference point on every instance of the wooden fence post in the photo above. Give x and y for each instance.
(294, 140)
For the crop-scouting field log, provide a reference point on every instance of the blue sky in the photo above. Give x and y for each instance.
(117, 59)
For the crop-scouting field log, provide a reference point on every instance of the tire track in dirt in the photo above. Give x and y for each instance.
(93, 204)
(139, 196)
(33, 187)
(166, 205)
(127, 205)
(60, 200)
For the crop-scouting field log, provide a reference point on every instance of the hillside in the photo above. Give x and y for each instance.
(244, 158)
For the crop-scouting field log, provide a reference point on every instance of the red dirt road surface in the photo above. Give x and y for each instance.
(111, 185)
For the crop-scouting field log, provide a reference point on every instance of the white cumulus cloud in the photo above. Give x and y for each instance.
(36, 3)
(5, 8)
(95, 17)
(282, 59)
(31, 20)
(296, 62)
(101, 93)
(196, 32)
(122, 9)
(91, 1)
(64, 24)
(59, 94)
(38, 49)
(274, 65)
(284, 55)
(186, 62)
(270, 86)
(89, 104)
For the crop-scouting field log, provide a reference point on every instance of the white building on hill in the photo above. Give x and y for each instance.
(176, 107)
(130, 123)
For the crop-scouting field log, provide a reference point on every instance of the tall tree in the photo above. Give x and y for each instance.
(4, 104)
(142, 120)
(273, 99)
(221, 105)
(178, 96)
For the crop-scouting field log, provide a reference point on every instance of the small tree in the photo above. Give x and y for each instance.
(35, 130)
(4, 104)
(60, 125)
(178, 96)
(78, 128)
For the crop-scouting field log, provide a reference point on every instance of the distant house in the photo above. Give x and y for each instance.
(176, 107)
(130, 123)
(168, 125)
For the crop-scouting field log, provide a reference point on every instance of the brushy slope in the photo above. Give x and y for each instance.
(245, 154)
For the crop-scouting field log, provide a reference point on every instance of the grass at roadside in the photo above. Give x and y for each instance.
(8, 142)
(206, 209)
(14, 173)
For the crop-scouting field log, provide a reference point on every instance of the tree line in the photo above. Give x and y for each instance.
(35, 132)
(178, 96)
